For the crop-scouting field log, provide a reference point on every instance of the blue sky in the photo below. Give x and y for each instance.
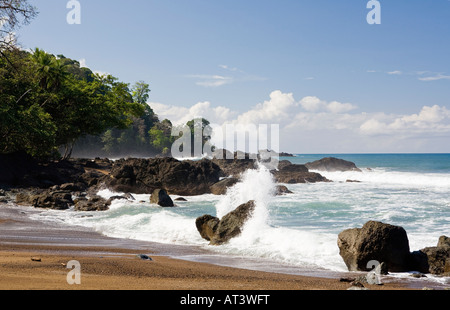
(333, 82)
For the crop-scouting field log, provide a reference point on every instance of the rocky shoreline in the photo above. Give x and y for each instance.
(76, 182)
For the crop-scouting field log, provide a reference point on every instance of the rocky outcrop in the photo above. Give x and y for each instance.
(438, 257)
(161, 198)
(292, 173)
(375, 241)
(143, 176)
(53, 199)
(332, 164)
(221, 231)
(94, 203)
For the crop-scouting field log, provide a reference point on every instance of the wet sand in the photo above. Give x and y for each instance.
(34, 256)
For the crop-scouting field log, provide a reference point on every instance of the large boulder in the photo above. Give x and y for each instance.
(375, 241)
(332, 164)
(438, 257)
(143, 176)
(160, 197)
(221, 231)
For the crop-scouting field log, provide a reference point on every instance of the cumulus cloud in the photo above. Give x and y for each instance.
(314, 104)
(429, 120)
(181, 115)
(315, 125)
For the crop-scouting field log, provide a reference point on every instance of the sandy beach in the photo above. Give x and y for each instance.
(34, 256)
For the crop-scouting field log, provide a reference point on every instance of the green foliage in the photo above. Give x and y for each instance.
(48, 102)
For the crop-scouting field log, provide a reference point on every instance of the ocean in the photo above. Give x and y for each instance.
(294, 233)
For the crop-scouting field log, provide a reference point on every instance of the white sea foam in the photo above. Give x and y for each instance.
(382, 176)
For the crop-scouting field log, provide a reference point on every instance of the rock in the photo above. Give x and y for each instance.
(221, 187)
(94, 203)
(438, 257)
(331, 164)
(207, 226)
(144, 257)
(353, 181)
(2, 193)
(56, 200)
(281, 190)
(289, 173)
(234, 167)
(419, 262)
(73, 187)
(375, 241)
(221, 231)
(143, 176)
(444, 241)
(160, 197)
(180, 199)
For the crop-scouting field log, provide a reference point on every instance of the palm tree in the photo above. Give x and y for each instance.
(52, 71)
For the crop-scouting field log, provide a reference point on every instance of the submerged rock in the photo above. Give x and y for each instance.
(221, 231)
(281, 190)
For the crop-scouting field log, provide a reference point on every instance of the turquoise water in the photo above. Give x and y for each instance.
(299, 229)
(437, 163)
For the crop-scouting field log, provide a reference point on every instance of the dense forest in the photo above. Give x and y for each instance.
(51, 107)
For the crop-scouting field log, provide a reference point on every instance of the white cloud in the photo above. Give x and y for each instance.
(429, 120)
(435, 78)
(181, 115)
(211, 80)
(315, 125)
(314, 104)
(396, 72)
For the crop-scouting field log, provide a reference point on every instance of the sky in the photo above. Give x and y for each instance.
(332, 82)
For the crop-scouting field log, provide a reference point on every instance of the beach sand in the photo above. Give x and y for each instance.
(34, 256)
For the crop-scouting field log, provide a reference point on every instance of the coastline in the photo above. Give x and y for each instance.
(113, 264)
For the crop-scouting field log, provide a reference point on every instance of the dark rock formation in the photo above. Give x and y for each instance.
(160, 197)
(56, 200)
(375, 241)
(143, 176)
(291, 173)
(332, 164)
(221, 231)
(94, 203)
(438, 257)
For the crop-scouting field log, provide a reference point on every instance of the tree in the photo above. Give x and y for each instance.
(13, 14)
(44, 106)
